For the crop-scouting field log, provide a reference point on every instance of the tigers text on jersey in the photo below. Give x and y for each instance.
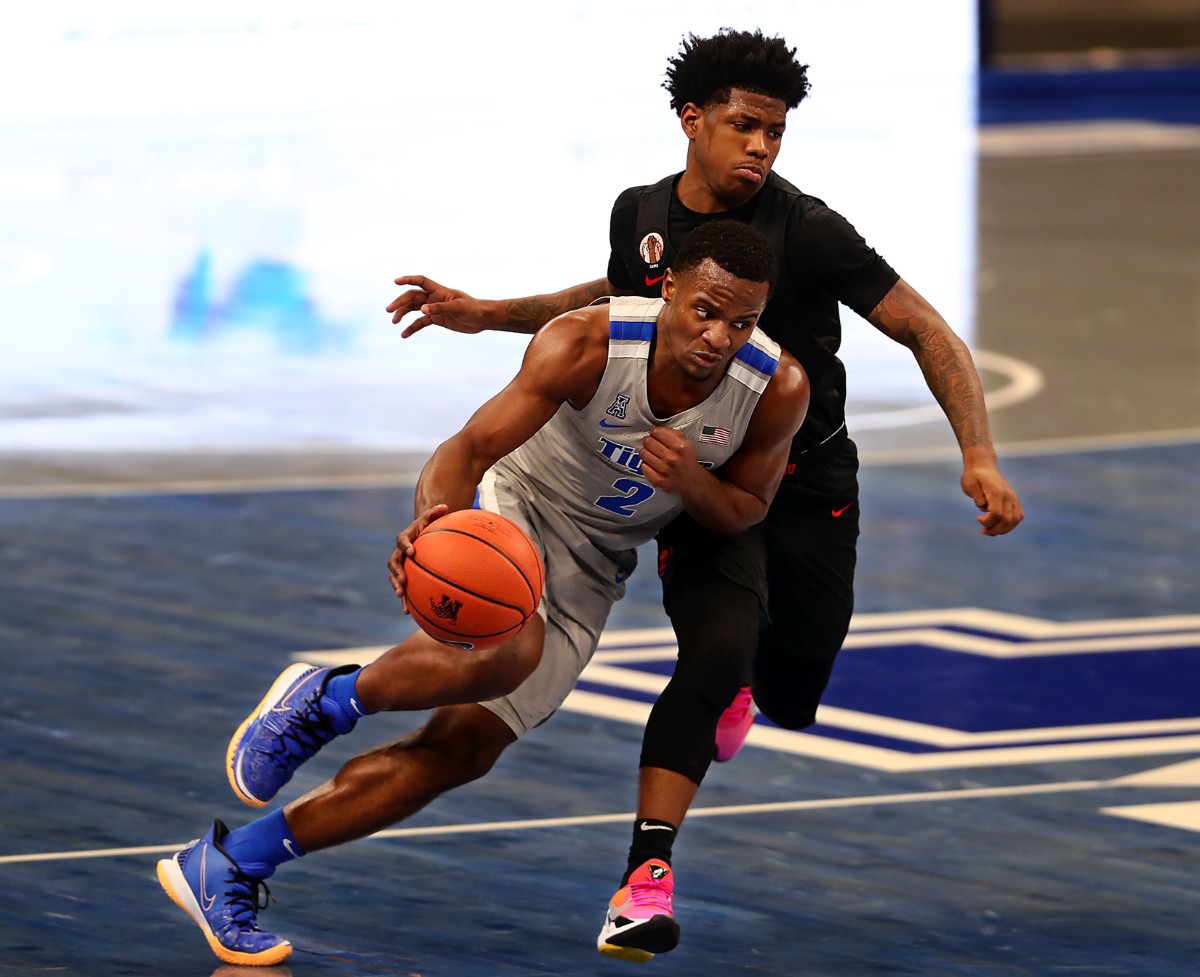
(587, 463)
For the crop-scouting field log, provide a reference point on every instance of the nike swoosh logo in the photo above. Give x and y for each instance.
(838, 512)
(656, 827)
(206, 901)
(287, 843)
(604, 423)
(285, 704)
(615, 912)
(654, 281)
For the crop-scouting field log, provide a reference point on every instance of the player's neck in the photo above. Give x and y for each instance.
(669, 391)
(699, 196)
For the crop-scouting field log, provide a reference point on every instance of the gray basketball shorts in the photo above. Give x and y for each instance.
(583, 582)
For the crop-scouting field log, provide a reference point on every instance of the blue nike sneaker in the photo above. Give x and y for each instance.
(293, 721)
(211, 888)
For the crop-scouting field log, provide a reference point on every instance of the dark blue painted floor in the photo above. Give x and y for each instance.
(137, 630)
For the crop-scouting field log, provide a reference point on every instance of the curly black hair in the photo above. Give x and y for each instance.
(706, 68)
(735, 246)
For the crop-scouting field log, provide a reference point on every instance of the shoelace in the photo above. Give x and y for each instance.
(651, 894)
(245, 897)
(309, 729)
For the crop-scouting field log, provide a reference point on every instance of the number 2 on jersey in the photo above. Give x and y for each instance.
(633, 493)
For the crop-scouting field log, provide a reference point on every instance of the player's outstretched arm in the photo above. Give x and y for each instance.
(904, 316)
(737, 495)
(456, 310)
(563, 362)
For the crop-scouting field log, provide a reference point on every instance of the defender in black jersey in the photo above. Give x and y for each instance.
(771, 606)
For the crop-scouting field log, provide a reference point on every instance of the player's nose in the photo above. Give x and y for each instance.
(717, 335)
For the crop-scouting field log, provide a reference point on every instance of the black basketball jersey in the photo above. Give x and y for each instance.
(823, 261)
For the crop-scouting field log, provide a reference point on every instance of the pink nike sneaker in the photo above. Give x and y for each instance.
(640, 921)
(734, 724)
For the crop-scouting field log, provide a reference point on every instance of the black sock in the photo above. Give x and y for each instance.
(651, 839)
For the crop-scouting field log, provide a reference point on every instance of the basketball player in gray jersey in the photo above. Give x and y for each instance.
(622, 416)
(608, 498)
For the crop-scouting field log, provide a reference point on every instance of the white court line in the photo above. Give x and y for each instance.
(956, 748)
(868, 458)
(1081, 444)
(774, 807)
(881, 758)
(1083, 138)
(1184, 815)
(1183, 774)
(1024, 382)
(213, 486)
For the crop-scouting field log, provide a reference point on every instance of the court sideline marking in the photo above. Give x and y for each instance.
(1185, 774)
(875, 458)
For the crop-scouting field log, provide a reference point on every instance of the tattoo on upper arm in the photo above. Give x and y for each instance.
(898, 306)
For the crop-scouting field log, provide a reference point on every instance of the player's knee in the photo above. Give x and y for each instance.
(812, 641)
(788, 689)
(467, 742)
(681, 728)
(499, 671)
(713, 664)
(787, 713)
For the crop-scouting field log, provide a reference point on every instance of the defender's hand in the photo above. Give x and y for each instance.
(1001, 510)
(439, 306)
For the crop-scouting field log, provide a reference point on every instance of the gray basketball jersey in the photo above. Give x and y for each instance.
(586, 463)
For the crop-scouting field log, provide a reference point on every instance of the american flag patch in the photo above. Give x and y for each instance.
(715, 435)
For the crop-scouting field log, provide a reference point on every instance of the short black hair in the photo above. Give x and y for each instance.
(707, 68)
(733, 245)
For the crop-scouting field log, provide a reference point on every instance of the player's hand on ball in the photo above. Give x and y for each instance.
(404, 547)
(473, 579)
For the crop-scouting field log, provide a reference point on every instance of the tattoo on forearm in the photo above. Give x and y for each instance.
(530, 314)
(951, 375)
(944, 360)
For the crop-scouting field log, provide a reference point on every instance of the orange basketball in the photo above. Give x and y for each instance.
(474, 580)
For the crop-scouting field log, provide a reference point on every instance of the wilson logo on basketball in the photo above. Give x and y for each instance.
(446, 609)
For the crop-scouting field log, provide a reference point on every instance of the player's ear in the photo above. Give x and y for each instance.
(690, 117)
(668, 285)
